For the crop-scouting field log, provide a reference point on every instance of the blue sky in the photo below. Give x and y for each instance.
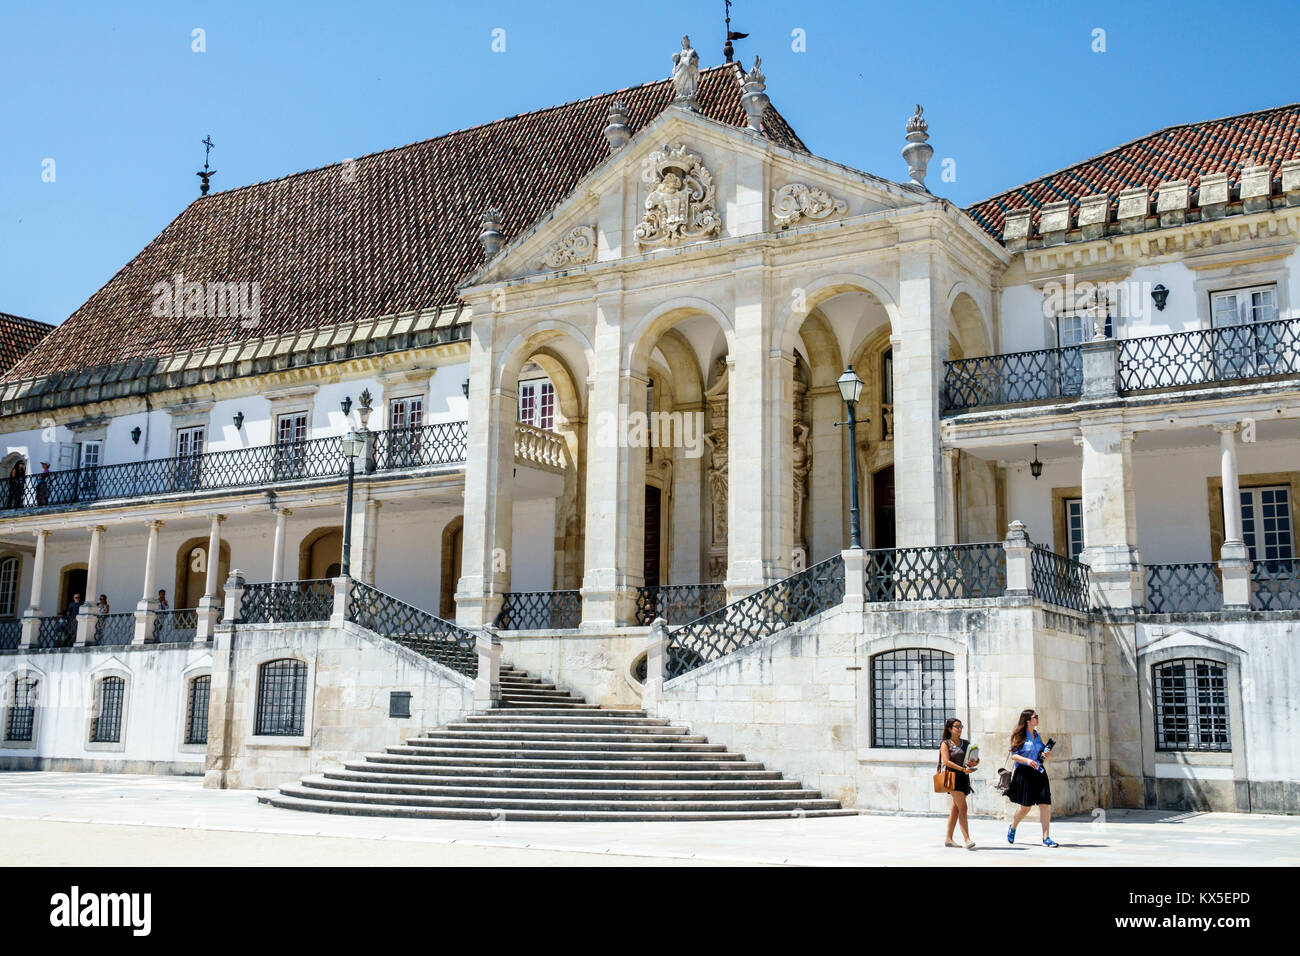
(115, 95)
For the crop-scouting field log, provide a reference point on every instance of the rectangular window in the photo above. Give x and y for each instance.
(189, 441)
(1245, 306)
(9, 587)
(291, 428)
(107, 726)
(290, 451)
(1191, 700)
(189, 456)
(406, 436)
(22, 712)
(1266, 524)
(1073, 526)
(537, 403)
(406, 413)
(89, 458)
(196, 711)
(912, 693)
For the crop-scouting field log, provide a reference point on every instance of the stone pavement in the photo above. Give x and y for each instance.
(67, 819)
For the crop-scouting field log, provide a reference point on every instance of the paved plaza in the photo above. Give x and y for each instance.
(68, 819)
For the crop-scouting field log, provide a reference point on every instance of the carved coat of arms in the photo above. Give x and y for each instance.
(682, 205)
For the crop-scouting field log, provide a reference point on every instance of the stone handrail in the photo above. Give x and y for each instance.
(538, 446)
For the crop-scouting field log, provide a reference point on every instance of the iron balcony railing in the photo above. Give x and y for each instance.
(935, 574)
(418, 630)
(56, 631)
(1059, 580)
(1181, 588)
(1012, 379)
(179, 626)
(243, 467)
(115, 630)
(1231, 353)
(678, 603)
(11, 635)
(1277, 585)
(756, 616)
(287, 602)
(540, 611)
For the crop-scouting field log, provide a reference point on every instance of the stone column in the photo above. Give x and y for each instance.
(489, 481)
(951, 466)
(146, 610)
(918, 373)
(365, 538)
(281, 534)
(778, 478)
(1020, 550)
(688, 529)
(32, 619)
(1234, 559)
(826, 492)
(1109, 515)
(87, 617)
(210, 604)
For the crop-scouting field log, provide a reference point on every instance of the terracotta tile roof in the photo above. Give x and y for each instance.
(1268, 137)
(18, 336)
(391, 232)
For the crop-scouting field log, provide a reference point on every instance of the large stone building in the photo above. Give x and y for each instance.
(586, 360)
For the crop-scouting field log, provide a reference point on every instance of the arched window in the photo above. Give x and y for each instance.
(281, 698)
(9, 568)
(1192, 705)
(106, 727)
(912, 693)
(196, 710)
(22, 708)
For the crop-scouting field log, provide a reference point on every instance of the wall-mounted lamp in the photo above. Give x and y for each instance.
(465, 387)
(135, 435)
(347, 405)
(1036, 466)
(239, 420)
(1160, 295)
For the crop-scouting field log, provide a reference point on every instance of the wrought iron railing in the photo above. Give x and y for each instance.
(678, 603)
(440, 444)
(57, 631)
(179, 626)
(11, 635)
(1013, 378)
(935, 574)
(287, 602)
(1180, 588)
(1255, 350)
(756, 616)
(413, 628)
(115, 630)
(540, 611)
(1277, 585)
(1059, 580)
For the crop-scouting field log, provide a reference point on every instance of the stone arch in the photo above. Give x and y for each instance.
(789, 321)
(319, 552)
(644, 336)
(72, 578)
(967, 323)
(191, 577)
(532, 341)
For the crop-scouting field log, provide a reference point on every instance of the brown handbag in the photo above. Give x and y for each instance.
(945, 781)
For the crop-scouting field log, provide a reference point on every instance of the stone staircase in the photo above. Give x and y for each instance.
(548, 755)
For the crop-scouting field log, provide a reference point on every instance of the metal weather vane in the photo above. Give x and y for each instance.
(727, 49)
(205, 174)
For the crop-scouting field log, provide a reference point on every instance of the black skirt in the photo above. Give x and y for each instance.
(961, 782)
(1029, 787)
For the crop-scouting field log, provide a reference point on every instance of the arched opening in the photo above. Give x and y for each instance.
(192, 572)
(72, 581)
(453, 536)
(320, 555)
(13, 472)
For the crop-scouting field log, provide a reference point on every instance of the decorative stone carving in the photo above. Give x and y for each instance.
(686, 74)
(682, 205)
(802, 466)
(491, 238)
(799, 201)
(716, 439)
(577, 247)
(753, 99)
(917, 152)
(617, 133)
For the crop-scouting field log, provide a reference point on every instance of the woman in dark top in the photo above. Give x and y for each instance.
(952, 756)
(17, 483)
(1029, 786)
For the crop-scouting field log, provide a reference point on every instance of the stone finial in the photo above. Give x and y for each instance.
(686, 75)
(753, 99)
(1256, 184)
(1172, 199)
(1133, 207)
(491, 237)
(1094, 212)
(617, 132)
(1054, 222)
(1015, 230)
(917, 152)
(1212, 196)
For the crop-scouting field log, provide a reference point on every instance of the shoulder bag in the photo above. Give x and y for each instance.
(945, 780)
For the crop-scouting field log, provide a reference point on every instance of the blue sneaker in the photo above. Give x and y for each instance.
(1011, 834)
(1048, 841)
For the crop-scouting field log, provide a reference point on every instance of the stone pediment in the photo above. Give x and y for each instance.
(684, 180)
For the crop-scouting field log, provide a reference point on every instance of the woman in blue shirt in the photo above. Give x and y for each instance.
(1029, 786)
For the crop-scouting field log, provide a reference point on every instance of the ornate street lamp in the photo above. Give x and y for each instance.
(353, 446)
(850, 387)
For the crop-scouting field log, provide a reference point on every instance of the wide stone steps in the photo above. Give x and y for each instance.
(548, 755)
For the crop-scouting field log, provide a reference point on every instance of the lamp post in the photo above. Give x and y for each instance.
(850, 387)
(353, 445)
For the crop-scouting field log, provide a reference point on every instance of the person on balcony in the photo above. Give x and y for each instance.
(953, 755)
(43, 485)
(17, 484)
(101, 607)
(162, 600)
(70, 620)
(1029, 785)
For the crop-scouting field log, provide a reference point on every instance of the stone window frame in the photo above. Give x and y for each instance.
(189, 415)
(298, 400)
(1184, 645)
(194, 671)
(8, 685)
(417, 383)
(113, 668)
(1214, 485)
(1231, 276)
(275, 741)
(1060, 529)
(908, 757)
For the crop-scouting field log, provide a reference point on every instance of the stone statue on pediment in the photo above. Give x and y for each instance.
(686, 74)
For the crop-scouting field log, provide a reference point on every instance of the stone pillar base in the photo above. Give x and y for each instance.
(1116, 576)
(87, 619)
(208, 611)
(608, 607)
(487, 685)
(656, 648)
(1235, 566)
(31, 627)
(475, 609)
(146, 612)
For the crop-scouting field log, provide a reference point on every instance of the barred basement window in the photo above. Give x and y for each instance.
(106, 728)
(22, 712)
(196, 711)
(913, 692)
(1192, 706)
(281, 698)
